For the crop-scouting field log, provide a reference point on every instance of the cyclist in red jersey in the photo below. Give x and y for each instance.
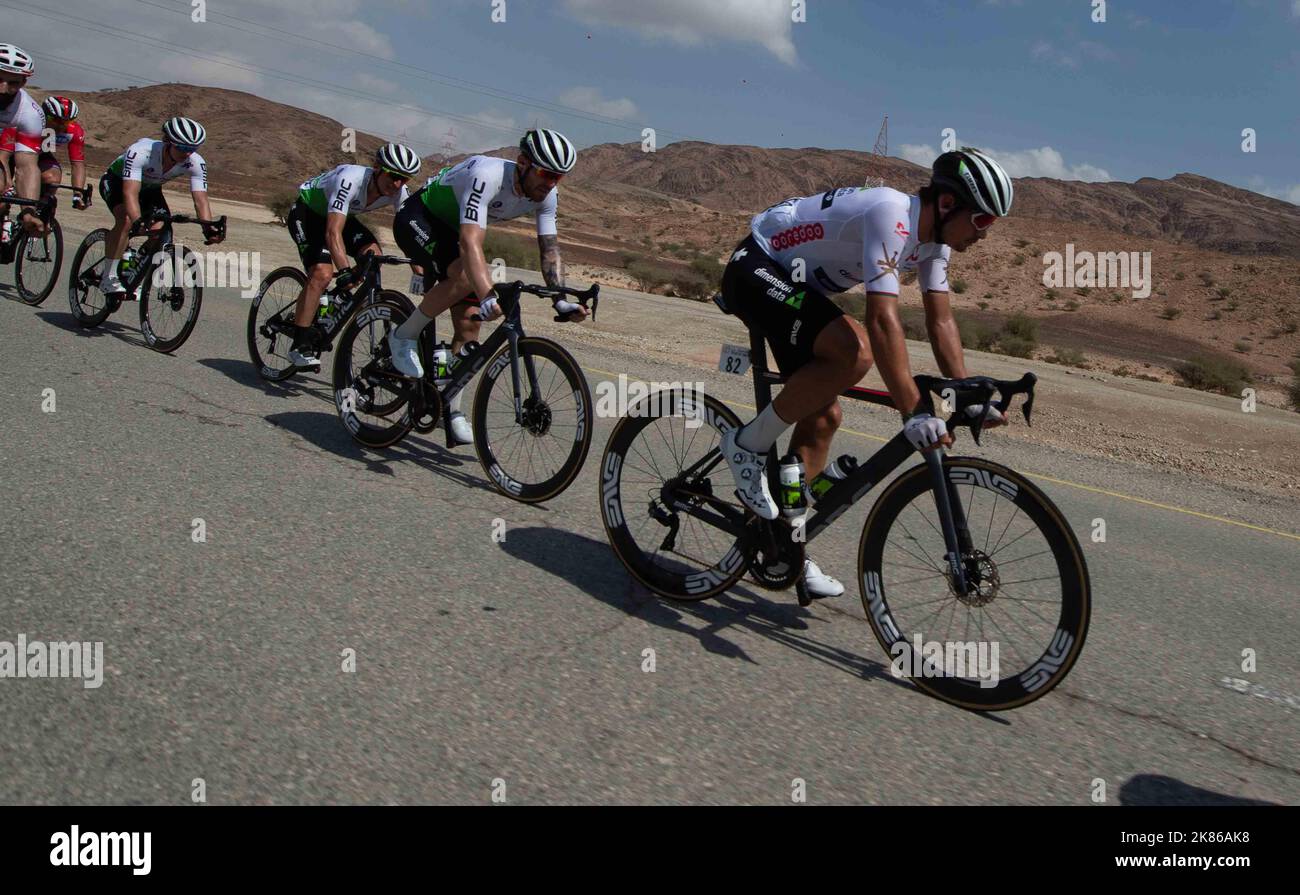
(60, 117)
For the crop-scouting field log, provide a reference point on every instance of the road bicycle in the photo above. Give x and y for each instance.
(532, 428)
(270, 318)
(953, 546)
(163, 276)
(37, 258)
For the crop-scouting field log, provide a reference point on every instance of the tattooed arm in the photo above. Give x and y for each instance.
(552, 267)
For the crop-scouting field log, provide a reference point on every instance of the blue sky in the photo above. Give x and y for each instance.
(1156, 89)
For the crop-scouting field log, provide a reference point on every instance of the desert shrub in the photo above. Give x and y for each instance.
(1213, 374)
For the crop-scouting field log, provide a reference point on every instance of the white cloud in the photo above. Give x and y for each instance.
(767, 23)
(1295, 8)
(589, 99)
(1044, 50)
(373, 84)
(1042, 162)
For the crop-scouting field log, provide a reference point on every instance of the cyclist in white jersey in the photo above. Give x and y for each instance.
(442, 229)
(18, 110)
(324, 226)
(802, 250)
(132, 187)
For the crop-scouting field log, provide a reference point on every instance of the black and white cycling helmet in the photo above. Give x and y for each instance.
(184, 132)
(399, 159)
(16, 60)
(549, 149)
(60, 107)
(977, 180)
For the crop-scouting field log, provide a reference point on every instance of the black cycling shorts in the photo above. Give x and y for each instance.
(151, 195)
(424, 239)
(307, 228)
(790, 315)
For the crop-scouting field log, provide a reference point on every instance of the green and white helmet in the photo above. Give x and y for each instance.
(977, 180)
(399, 159)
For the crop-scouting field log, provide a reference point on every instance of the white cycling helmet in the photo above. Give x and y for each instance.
(399, 159)
(184, 132)
(16, 60)
(977, 180)
(549, 149)
(60, 107)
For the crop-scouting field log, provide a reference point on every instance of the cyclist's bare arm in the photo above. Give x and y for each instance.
(334, 222)
(131, 200)
(79, 175)
(27, 176)
(552, 267)
(945, 338)
(889, 348)
(471, 257)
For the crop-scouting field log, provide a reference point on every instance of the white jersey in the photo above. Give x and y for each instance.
(344, 190)
(143, 162)
(25, 115)
(482, 189)
(847, 236)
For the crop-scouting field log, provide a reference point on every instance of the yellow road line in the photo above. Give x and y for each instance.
(1069, 484)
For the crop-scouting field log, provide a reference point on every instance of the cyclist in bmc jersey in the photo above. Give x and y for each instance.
(60, 114)
(132, 187)
(442, 230)
(802, 250)
(22, 113)
(323, 225)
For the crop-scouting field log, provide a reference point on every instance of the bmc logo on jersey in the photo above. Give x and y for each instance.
(475, 199)
(788, 239)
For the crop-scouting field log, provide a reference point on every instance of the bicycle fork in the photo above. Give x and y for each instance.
(952, 518)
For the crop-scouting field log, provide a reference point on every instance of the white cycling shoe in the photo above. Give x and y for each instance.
(750, 472)
(406, 356)
(303, 361)
(460, 429)
(820, 584)
(109, 284)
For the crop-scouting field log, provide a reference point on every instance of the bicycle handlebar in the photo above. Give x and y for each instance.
(978, 390)
(139, 228)
(511, 291)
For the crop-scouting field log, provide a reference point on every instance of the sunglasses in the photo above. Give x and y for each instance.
(395, 177)
(982, 220)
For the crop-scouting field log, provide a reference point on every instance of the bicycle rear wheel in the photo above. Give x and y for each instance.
(370, 406)
(1026, 617)
(37, 262)
(169, 313)
(89, 306)
(537, 456)
(674, 554)
(269, 320)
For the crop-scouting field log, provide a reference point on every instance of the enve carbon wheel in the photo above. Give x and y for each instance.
(372, 411)
(89, 306)
(673, 554)
(533, 459)
(1026, 616)
(168, 313)
(275, 302)
(37, 261)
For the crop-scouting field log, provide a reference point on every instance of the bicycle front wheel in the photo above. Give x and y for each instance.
(169, 314)
(37, 262)
(1018, 631)
(536, 454)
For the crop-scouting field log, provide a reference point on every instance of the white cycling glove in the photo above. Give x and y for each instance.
(564, 308)
(923, 430)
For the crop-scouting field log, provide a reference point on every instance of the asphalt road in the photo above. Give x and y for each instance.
(515, 667)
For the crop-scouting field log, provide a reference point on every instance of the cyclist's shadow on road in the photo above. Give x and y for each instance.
(1155, 789)
(602, 576)
(242, 371)
(326, 432)
(126, 332)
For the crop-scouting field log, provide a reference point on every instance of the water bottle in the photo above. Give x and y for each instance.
(793, 501)
(127, 264)
(441, 363)
(836, 471)
(458, 358)
(324, 310)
